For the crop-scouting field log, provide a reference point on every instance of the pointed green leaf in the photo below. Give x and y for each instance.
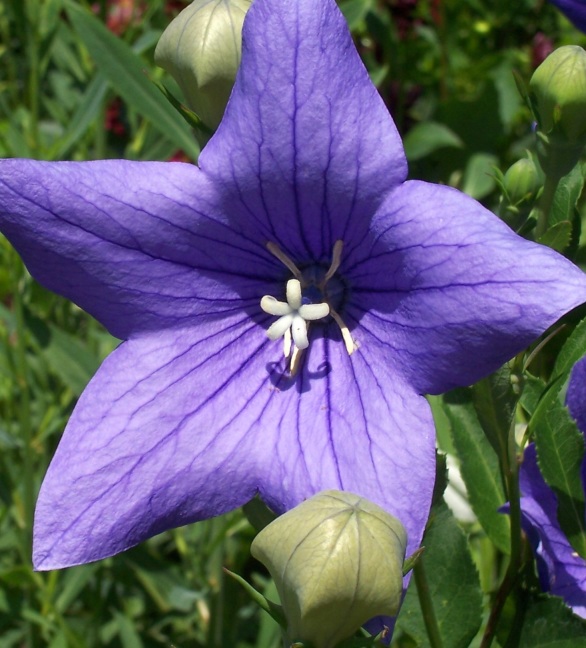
(479, 467)
(573, 349)
(427, 137)
(125, 71)
(566, 196)
(558, 236)
(495, 400)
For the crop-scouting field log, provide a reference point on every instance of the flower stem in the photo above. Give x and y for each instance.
(511, 472)
(545, 203)
(424, 595)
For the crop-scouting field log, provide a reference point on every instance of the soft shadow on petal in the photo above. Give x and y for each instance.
(169, 431)
(356, 427)
(449, 291)
(561, 570)
(306, 147)
(139, 245)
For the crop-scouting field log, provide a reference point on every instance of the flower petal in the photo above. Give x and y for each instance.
(139, 245)
(449, 290)
(181, 426)
(561, 570)
(349, 423)
(576, 395)
(166, 433)
(306, 149)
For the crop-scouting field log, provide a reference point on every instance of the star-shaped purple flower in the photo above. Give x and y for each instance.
(575, 10)
(561, 570)
(299, 200)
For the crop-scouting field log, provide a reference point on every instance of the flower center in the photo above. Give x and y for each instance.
(311, 295)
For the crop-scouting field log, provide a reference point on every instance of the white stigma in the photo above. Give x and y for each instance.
(293, 315)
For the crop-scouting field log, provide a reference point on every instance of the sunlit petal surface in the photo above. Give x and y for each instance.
(198, 410)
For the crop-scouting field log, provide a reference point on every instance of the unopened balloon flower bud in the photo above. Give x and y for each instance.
(201, 49)
(558, 93)
(336, 560)
(522, 181)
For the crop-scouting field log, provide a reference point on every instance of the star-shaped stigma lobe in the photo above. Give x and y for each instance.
(294, 314)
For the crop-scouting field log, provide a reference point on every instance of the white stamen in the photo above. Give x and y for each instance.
(351, 346)
(336, 260)
(295, 361)
(275, 250)
(287, 343)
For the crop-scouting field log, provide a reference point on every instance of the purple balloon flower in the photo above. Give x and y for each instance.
(298, 221)
(561, 570)
(575, 10)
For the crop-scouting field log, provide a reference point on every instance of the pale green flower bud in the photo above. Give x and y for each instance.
(201, 49)
(522, 181)
(336, 560)
(558, 93)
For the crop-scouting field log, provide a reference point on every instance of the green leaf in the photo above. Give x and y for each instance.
(74, 580)
(479, 467)
(427, 137)
(355, 11)
(549, 623)
(453, 585)
(566, 196)
(125, 71)
(560, 449)
(479, 178)
(127, 632)
(558, 236)
(70, 360)
(533, 388)
(495, 401)
(573, 349)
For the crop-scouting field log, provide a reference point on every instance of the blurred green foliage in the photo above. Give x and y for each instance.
(67, 91)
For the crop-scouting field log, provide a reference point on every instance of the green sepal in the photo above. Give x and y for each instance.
(412, 560)
(258, 514)
(188, 115)
(273, 609)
